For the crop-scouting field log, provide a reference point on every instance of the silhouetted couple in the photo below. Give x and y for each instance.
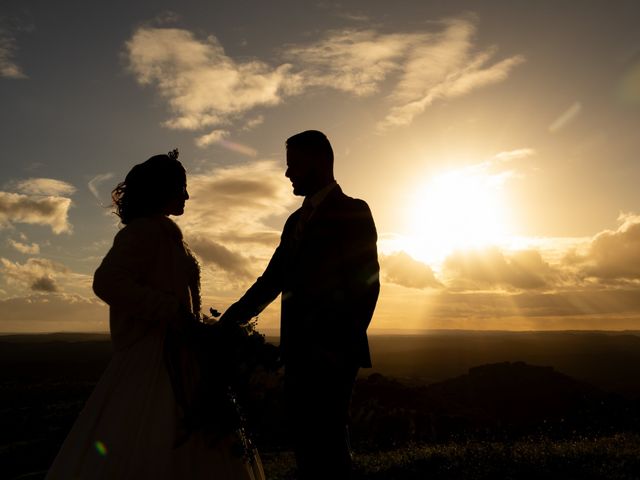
(326, 271)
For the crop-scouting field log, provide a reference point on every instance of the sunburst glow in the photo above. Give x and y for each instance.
(459, 209)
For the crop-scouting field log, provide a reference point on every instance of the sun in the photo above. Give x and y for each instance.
(459, 209)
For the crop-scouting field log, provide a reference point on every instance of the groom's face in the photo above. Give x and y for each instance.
(300, 171)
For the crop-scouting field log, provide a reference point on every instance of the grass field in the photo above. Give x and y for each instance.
(615, 458)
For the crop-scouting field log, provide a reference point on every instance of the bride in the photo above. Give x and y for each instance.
(131, 426)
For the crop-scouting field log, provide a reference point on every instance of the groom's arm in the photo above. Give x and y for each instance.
(264, 291)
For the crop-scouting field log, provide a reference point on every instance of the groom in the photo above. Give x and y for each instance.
(326, 269)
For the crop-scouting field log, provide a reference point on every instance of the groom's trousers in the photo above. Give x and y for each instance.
(317, 399)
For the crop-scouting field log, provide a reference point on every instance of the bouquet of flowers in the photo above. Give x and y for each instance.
(211, 364)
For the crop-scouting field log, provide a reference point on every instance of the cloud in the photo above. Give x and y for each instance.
(44, 284)
(401, 269)
(237, 199)
(233, 219)
(445, 66)
(8, 67)
(354, 61)
(36, 274)
(516, 154)
(612, 254)
(216, 253)
(43, 186)
(492, 268)
(46, 312)
(96, 181)
(430, 66)
(253, 123)
(205, 87)
(32, 249)
(52, 211)
(213, 137)
(580, 308)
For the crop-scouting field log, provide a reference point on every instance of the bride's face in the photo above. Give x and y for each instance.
(175, 205)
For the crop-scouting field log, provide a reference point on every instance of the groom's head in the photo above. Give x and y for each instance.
(309, 162)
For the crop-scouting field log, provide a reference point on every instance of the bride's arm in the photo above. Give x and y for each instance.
(120, 278)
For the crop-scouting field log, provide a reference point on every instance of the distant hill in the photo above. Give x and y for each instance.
(607, 360)
(502, 400)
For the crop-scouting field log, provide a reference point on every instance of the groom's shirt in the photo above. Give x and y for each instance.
(309, 206)
(317, 198)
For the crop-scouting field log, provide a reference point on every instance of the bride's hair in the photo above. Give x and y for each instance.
(148, 187)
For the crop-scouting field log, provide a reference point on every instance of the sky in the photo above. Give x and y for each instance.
(495, 142)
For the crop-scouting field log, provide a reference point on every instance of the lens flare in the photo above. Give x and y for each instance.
(101, 448)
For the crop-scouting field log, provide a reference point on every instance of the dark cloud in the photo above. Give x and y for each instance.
(244, 187)
(237, 199)
(44, 284)
(211, 251)
(36, 274)
(403, 270)
(48, 210)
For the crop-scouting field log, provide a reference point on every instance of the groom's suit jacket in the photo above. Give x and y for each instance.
(327, 273)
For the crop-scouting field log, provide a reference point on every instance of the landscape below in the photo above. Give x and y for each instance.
(446, 404)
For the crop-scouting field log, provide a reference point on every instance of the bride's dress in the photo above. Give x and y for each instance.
(129, 426)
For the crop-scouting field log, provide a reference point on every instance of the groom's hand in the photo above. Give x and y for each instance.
(234, 314)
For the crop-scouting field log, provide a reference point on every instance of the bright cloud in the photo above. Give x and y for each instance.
(613, 254)
(444, 66)
(213, 137)
(253, 122)
(32, 249)
(401, 269)
(52, 211)
(44, 186)
(205, 87)
(510, 155)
